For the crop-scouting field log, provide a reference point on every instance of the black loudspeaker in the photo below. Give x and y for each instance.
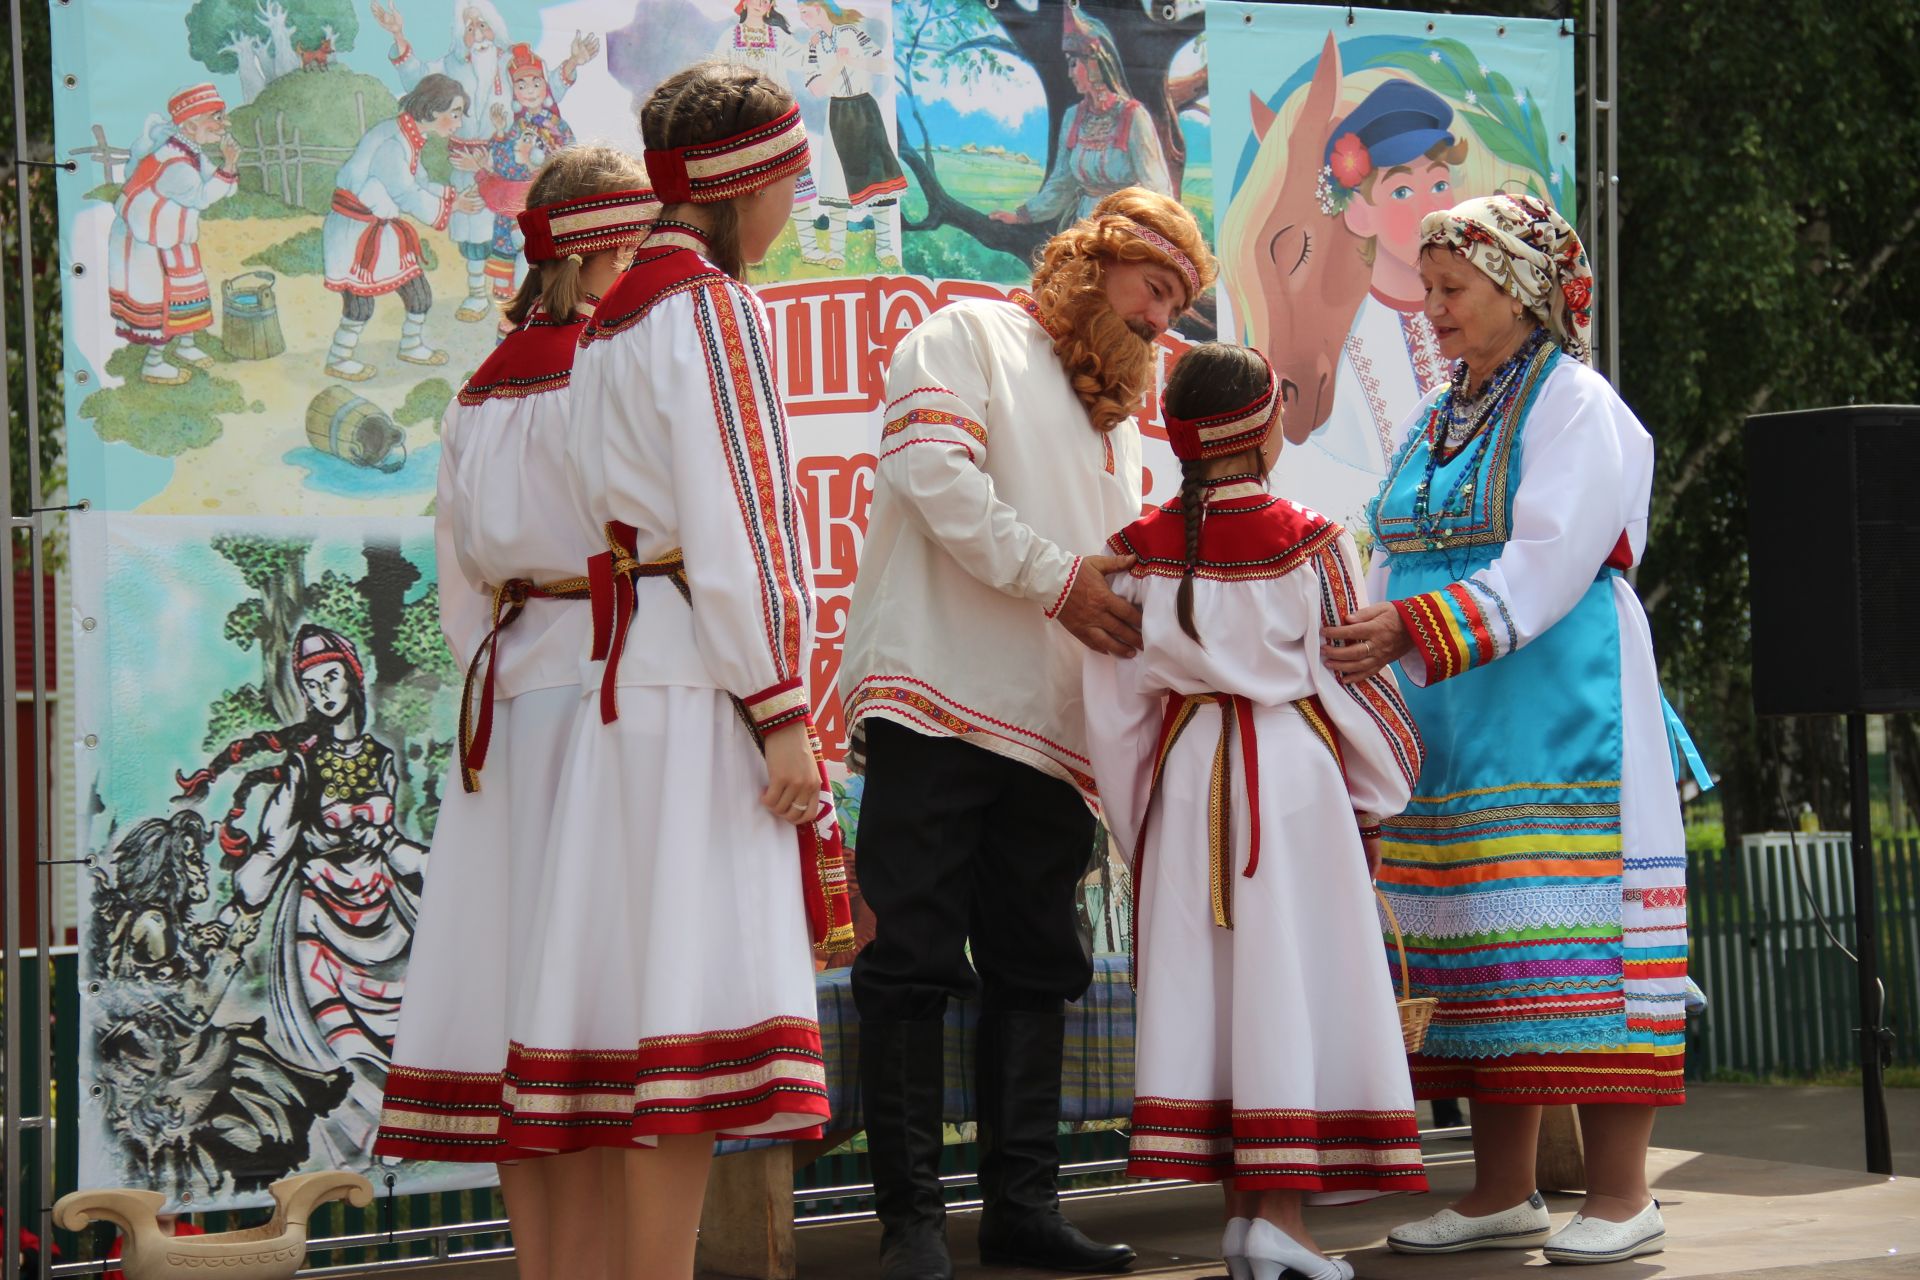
(1833, 547)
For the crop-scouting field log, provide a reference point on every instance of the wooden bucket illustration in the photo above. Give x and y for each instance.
(348, 426)
(250, 328)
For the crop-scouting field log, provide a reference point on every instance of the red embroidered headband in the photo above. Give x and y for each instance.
(709, 172)
(1222, 435)
(588, 224)
(1173, 251)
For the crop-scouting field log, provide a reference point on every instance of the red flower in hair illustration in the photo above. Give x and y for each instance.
(1351, 161)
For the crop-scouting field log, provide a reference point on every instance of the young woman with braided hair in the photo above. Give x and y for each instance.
(508, 540)
(692, 853)
(1269, 1056)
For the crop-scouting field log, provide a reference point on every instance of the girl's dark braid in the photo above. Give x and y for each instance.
(1193, 493)
(235, 844)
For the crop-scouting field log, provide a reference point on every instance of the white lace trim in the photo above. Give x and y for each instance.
(1503, 910)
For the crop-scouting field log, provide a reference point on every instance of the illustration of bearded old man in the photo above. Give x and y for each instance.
(156, 287)
(476, 61)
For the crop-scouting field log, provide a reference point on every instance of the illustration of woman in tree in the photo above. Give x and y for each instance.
(345, 878)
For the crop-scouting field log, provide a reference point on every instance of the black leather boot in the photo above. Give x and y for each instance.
(1018, 1093)
(901, 1086)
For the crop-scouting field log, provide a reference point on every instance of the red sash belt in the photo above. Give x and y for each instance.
(476, 716)
(366, 253)
(823, 855)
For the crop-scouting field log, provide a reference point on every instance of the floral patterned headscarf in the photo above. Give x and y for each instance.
(1528, 249)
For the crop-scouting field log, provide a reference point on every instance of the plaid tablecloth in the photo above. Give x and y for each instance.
(1096, 1074)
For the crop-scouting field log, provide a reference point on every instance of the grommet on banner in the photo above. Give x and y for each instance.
(82, 377)
(1166, 12)
(1349, 15)
(88, 624)
(70, 81)
(92, 741)
(1430, 28)
(1247, 18)
(79, 268)
(1502, 33)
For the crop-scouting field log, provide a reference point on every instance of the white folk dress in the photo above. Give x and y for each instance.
(673, 987)
(504, 511)
(993, 484)
(1239, 773)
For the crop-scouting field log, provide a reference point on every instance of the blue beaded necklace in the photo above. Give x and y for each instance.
(1470, 423)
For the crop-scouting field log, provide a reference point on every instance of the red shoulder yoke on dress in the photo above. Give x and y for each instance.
(1244, 538)
(536, 357)
(663, 267)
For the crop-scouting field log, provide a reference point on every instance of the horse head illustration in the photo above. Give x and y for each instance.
(1294, 271)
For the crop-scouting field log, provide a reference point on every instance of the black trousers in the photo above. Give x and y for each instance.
(957, 843)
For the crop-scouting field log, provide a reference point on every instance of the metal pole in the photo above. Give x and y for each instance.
(10, 865)
(1611, 319)
(1596, 183)
(1873, 1091)
(42, 1003)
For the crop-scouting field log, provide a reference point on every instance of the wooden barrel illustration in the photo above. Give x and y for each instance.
(348, 426)
(250, 328)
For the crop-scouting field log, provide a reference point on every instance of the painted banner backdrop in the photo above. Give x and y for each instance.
(1333, 141)
(271, 458)
(256, 837)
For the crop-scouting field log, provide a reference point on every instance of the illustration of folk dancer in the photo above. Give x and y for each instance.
(1010, 454)
(346, 880)
(523, 140)
(156, 284)
(476, 62)
(763, 39)
(369, 248)
(841, 62)
(1389, 164)
(1107, 140)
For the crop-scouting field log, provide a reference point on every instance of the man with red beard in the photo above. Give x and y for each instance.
(1009, 455)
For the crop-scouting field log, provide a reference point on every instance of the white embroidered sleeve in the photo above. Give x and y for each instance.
(1568, 519)
(740, 522)
(466, 609)
(933, 451)
(1378, 744)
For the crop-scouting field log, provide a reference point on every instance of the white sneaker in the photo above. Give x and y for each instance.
(1597, 1240)
(1521, 1227)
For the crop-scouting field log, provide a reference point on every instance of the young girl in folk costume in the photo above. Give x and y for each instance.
(509, 538)
(345, 879)
(1269, 1054)
(523, 141)
(764, 40)
(694, 857)
(841, 62)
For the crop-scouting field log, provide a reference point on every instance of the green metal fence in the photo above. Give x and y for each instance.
(1783, 999)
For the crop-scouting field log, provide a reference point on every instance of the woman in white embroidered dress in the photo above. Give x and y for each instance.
(1269, 1052)
(673, 999)
(505, 522)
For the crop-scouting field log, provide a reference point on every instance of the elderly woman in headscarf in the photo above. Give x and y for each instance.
(1539, 872)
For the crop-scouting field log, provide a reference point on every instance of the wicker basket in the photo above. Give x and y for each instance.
(1414, 1014)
